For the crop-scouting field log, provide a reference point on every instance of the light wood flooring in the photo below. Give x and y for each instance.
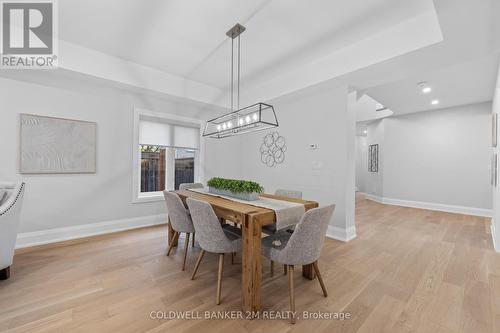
(409, 270)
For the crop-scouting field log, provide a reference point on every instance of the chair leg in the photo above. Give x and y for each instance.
(186, 245)
(292, 294)
(193, 240)
(320, 279)
(5, 273)
(219, 277)
(272, 268)
(198, 262)
(285, 269)
(172, 242)
(232, 258)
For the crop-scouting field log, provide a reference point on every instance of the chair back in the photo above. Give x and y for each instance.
(177, 213)
(304, 246)
(289, 193)
(187, 186)
(209, 231)
(10, 212)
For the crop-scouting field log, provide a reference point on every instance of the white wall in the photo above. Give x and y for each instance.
(361, 162)
(439, 157)
(54, 201)
(326, 174)
(223, 157)
(495, 223)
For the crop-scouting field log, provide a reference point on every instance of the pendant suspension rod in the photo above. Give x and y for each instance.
(232, 72)
(239, 66)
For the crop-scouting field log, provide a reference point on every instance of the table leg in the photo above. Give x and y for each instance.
(251, 264)
(171, 234)
(308, 272)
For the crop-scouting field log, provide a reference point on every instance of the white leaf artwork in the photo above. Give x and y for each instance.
(55, 145)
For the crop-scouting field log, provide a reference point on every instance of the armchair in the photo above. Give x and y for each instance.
(10, 210)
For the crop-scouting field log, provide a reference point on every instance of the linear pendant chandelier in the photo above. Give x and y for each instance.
(256, 117)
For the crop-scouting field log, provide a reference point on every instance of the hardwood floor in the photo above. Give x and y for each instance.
(408, 270)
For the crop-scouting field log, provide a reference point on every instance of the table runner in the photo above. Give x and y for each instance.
(287, 213)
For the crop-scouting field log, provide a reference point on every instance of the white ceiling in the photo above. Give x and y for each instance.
(466, 83)
(366, 107)
(176, 48)
(187, 38)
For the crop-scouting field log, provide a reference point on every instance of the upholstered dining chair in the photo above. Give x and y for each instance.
(180, 220)
(288, 193)
(270, 229)
(187, 186)
(11, 200)
(302, 247)
(212, 237)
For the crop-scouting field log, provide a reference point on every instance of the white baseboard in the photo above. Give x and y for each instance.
(373, 197)
(341, 234)
(494, 236)
(42, 237)
(432, 206)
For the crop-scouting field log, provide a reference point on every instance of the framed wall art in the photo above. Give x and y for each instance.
(54, 145)
(373, 158)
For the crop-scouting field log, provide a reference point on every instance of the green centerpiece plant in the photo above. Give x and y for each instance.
(241, 189)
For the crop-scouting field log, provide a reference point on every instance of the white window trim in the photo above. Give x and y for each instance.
(199, 174)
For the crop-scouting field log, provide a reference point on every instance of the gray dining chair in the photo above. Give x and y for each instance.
(302, 247)
(212, 237)
(187, 186)
(180, 221)
(288, 193)
(270, 229)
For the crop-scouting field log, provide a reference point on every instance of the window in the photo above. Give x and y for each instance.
(167, 154)
(153, 165)
(184, 166)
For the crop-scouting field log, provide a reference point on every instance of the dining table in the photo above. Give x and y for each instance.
(250, 219)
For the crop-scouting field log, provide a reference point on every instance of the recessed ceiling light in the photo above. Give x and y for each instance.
(365, 131)
(435, 102)
(424, 86)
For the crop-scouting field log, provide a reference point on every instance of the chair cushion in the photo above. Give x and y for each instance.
(272, 245)
(231, 232)
(269, 229)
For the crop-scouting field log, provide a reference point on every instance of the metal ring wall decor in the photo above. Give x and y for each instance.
(272, 150)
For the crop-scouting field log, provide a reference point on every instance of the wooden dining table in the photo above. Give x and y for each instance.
(251, 219)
